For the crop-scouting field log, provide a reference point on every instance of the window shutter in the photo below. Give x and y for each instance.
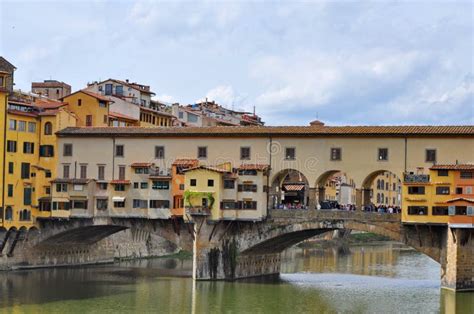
(452, 210)
(470, 210)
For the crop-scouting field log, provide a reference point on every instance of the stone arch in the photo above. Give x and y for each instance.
(381, 187)
(289, 188)
(82, 235)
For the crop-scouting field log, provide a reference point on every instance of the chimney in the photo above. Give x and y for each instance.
(316, 123)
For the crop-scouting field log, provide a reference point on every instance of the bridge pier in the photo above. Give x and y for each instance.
(458, 268)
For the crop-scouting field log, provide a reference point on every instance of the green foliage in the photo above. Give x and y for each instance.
(190, 194)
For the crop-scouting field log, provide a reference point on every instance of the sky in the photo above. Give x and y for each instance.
(342, 62)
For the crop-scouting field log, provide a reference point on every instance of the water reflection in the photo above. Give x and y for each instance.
(314, 280)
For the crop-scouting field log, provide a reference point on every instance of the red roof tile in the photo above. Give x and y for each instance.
(453, 167)
(141, 164)
(186, 162)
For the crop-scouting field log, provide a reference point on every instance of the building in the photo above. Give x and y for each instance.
(29, 155)
(131, 104)
(208, 113)
(51, 89)
(387, 190)
(292, 182)
(444, 196)
(91, 109)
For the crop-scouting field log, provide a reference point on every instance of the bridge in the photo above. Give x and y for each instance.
(232, 249)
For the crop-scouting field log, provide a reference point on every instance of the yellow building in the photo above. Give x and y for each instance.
(91, 109)
(444, 196)
(386, 190)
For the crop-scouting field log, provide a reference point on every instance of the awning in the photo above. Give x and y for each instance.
(118, 199)
(294, 187)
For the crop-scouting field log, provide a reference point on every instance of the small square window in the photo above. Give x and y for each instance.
(245, 153)
(336, 154)
(210, 182)
(159, 152)
(202, 152)
(430, 155)
(290, 153)
(119, 151)
(383, 154)
(67, 150)
(192, 182)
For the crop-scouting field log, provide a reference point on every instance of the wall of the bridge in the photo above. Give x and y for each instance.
(231, 250)
(88, 241)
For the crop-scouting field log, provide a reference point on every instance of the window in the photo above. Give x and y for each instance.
(192, 182)
(89, 120)
(100, 172)
(180, 115)
(78, 187)
(108, 89)
(417, 210)
(229, 205)
(61, 187)
(210, 182)
(246, 187)
(79, 102)
(249, 205)
(78, 204)
(12, 124)
(467, 174)
(160, 185)
(28, 148)
(141, 170)
(48, 128)
(459, 190)
(102, 186)
(386, 186)
(140, 203)
(11, 146)
(47, 174)
(46, 151)
(181, 187)
(430, 155)
(9, 213)
(202, 152)
(443, 173)
(416, 190)
(119, 90)
(10, 190)
(119, 204)
(468, 190)
(2, 81)
(121, 172)
(159, 152)
(442, 190)
(22, 126)
(192, 118)
(136, 185)
(336, 154)
(83, 173)
(144, 185)
(119, 151)
(229, 184)
(67, 150)
(440, 210)
(47, 190)
(159, 204)
(290, 153)
(383, 154)
(247, 172)
(103, 104)
(119, 187)
(245, 153)
(66, 171)
(11, 167)
(25, 170)
(61, 205)
(102, 203)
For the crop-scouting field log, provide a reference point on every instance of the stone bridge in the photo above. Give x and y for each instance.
(78, 241)
(231, 249)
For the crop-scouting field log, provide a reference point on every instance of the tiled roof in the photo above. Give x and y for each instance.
(185, 162)
(210, 168)
(460, 199)
(92, 94)
(141, 164)
(259, 167)
(121, 116)
(48, 104)
(453, 167)
(23, 113)
(264, 131)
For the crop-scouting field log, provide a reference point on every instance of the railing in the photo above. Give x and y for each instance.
(198, 210)
(416, 178)
(160, 173)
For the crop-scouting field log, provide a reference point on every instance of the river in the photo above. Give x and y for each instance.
(383, 277)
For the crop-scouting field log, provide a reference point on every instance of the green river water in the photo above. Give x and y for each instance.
(377, 278)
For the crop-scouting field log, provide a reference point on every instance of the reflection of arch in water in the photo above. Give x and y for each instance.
(290, 188)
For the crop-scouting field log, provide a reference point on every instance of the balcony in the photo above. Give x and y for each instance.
(416, 178)
(160, 173)
(198, 210)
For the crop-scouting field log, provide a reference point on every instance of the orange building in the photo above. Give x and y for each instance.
(178, 183)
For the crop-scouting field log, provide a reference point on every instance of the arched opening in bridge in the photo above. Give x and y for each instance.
(289, 190)
(335, 190)
(382, 191)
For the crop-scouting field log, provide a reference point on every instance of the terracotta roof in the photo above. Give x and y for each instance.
(133, 85)
(186, 162)
(453, 167)
(265, 131)
(121, 116)
(50, 83)
(120, 182)
(259, 167)
(141, 164)
(460, 199)
(92, 94)
(49, 112)
(49, 104)
(210, 168)
(23, 113)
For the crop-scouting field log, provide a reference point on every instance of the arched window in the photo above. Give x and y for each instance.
(48, 128)
(9, 213)
(378, 184)
(382, 184)
(382, 197)
(378, 197)
(25, 215)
